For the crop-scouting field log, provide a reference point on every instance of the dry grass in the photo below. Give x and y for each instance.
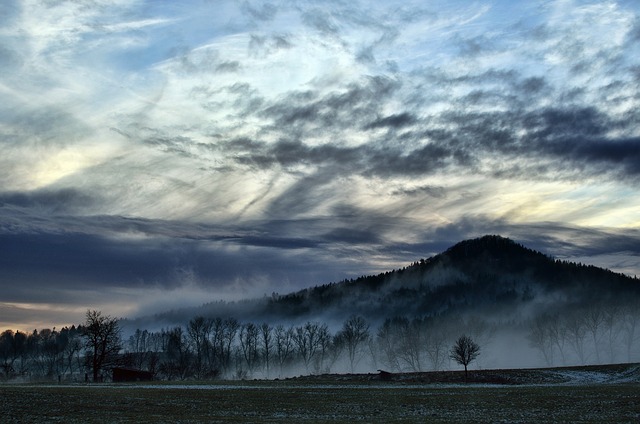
(287, 401)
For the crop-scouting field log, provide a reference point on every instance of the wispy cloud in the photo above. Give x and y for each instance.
(209, 148)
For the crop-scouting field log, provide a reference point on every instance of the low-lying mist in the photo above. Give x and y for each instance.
(228, 348)
(522, 308)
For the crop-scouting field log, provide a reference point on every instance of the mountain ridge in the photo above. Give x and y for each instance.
(489, 275)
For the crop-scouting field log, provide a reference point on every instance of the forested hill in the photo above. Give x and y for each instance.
(492, 275)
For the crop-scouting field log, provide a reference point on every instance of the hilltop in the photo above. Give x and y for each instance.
(492, 276)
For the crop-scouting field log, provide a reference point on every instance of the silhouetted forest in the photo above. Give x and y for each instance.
(499, 293)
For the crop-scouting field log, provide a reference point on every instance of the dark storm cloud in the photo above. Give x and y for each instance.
(87, 262)
(33, 216)
(353, 236)
(580, 137)
(558, 123)
(431, 191)
(622, 154)
(277, 242)
(357, 225)
(311, 111)
(570, 138)
(533, 85)
(576, 138)
(392, 121)
(179, 145)
(76, 260)
(307, 194)
(47, 267)
(54, 201)
(291, 153)
(422, 161)
(366, 160)
(564, 141)
(153, 235)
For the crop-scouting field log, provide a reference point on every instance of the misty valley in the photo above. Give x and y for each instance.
(522, 308)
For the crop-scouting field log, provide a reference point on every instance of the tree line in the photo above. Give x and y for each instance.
(69, 352)
(594, 334)
(208, 348)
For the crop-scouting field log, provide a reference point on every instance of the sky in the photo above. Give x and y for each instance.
(159, 154)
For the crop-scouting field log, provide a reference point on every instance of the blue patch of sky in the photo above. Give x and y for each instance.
(493, 25)
(188, 26)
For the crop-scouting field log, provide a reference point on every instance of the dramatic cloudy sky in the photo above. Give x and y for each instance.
(158, 154)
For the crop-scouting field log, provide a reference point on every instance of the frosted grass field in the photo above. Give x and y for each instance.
(290, 401)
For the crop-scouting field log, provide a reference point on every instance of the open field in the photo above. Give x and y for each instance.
(275, 403)
(326, 400)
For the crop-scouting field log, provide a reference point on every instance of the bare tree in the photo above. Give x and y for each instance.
(102, 339)
(410, 343)
(217, 345)
(64, 342)
(464, 351)
(593, 321)
(138, 348)
(387, 344)
(7, 352)
(178, 357)
(541, 338)
(576, 333)
(354, 334)
(630, 323)
(436, 338)
(223, 335)
(479, 330)
(558, 333)
(307, 341)
(198, 331)
(402, 344)
(326, 353)
(284, 344)
(249, 335)
(612, 329)
(43, 352)
(266, 340)
(20, 349)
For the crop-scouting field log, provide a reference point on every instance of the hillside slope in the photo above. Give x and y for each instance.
(490, 276)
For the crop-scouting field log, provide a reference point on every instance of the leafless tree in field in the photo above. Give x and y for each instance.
(464, 351)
